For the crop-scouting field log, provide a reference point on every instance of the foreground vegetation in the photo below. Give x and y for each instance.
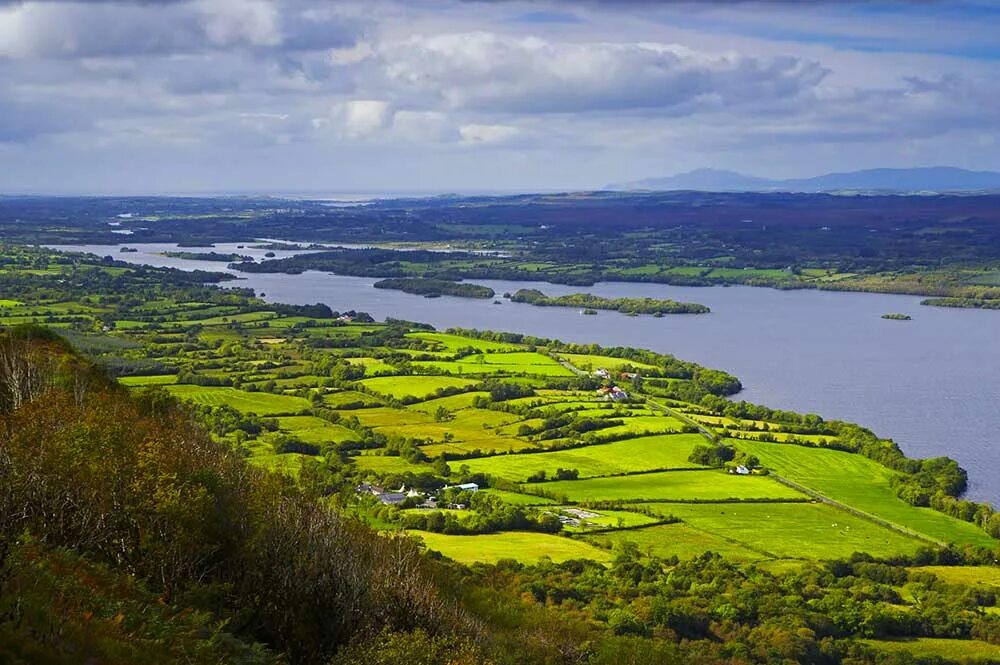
(189, 473)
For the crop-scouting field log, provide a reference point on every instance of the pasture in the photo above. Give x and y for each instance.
(399, 387)
(640, 454)
(315, 430)
(792, 530)
(672, 486)
(680, 540)
(263, 404)
(970, 652)
(157, 380)
(610, 363)
(985, 576)
(860, 483)
(452, 343)
(523, 546)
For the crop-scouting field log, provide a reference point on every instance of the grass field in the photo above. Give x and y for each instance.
(861, 483)
(315, 430)
(986, 576)
(451, 403)
(591, 363)
(792, 530)
(640, 454)
(523, 546)
(518, 499)
(963, 651)
(345, 397)
(488, 369)
(263, 404)
(612, 519)
(387, 464)
(413, 386)
(672, 485)
(160, 380)
(453, 343)
(680, 540)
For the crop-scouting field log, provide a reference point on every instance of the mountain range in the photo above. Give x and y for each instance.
(932, 179)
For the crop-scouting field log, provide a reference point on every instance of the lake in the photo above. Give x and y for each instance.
(932, 384)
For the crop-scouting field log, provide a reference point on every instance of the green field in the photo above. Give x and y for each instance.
(672, 485)
(962, 651)
(263, 404)
(387, 464)
(160, 380)
(680, 540)
(792, 530)
(315, 430)
(451, 403)
(522, 546)
(640, 454)
(861, 483)
(985, 576)
(591, 363)
(611, 519)
(453, 343)
(413, 386)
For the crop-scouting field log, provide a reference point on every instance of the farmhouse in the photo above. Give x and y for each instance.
(391, 498)
(465, 487)
(741, 470)
(613, 393)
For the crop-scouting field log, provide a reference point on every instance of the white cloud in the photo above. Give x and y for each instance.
(254, 22)
(360, 118)
(495, 72)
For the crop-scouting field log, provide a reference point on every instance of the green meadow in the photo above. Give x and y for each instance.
(680, 540)
(518, 545)
(861, 483)
(968, 652)
(672, 486)
(413, 386)
(263, 404)
(792, 530)
(639, 454)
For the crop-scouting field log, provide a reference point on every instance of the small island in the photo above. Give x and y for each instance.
(897, 317)
(587, 301)
(433, 288)
(209, 256)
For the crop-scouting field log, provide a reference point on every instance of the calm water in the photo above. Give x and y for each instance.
(932, 384)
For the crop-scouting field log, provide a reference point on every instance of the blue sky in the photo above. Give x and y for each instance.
(269, 96)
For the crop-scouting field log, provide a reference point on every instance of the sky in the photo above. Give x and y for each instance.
(299, 96)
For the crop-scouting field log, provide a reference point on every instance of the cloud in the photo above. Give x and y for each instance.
(108, 29)
(495, 72)
(358, 118)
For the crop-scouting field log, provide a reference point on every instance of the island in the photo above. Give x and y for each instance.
(217, 257)
(897, 317)
(589, 302)
(432, 288)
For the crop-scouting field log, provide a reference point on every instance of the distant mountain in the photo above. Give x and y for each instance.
(935, 179)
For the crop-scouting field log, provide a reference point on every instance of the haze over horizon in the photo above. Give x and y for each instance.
(169, 96)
